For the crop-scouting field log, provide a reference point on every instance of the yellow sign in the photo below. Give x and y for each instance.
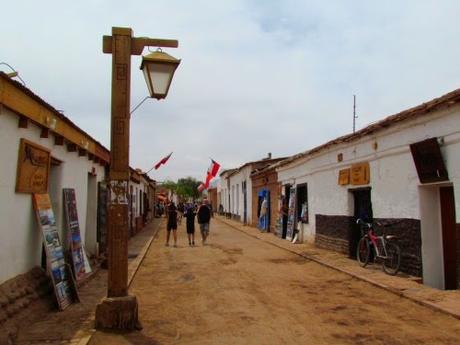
(344, 177)
(360, 174)
(33, 168)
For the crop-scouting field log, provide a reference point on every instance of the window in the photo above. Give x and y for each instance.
(302, 203)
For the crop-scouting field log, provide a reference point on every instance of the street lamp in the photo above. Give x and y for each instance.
(159, 68)
(120, 310)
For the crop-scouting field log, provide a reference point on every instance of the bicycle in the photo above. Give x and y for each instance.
(382, 247)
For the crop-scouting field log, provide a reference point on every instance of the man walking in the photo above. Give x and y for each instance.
(204, 217)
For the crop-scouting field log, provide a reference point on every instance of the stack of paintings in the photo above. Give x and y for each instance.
(63, 283)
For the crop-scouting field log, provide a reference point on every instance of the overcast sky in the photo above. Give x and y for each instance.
(256, 76)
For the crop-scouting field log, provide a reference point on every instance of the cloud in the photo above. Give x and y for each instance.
(255, 77)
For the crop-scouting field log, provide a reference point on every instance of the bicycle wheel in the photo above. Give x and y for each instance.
(363, 252)
(392, 261)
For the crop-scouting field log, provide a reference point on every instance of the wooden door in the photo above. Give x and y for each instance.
(449, 239)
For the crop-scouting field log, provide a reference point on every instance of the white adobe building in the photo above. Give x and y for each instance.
(404, 171)
(77, 161)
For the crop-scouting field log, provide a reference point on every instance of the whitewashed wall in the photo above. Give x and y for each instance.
(236, 183)
(20, 239)
(393, 176)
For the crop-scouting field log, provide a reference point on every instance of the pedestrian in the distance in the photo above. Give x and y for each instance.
(190, 223)
(204, 217)
(172, 223)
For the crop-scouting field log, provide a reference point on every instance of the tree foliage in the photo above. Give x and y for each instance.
(186, 187)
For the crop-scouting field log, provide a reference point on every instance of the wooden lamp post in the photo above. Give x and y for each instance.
(119, 310)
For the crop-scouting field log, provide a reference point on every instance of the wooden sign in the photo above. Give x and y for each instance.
(344, 177)
(33, 168)
(64, 286)
(429, 161)
(359, 174)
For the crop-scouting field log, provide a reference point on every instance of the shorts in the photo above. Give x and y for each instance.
(171, 226)
(204, 227)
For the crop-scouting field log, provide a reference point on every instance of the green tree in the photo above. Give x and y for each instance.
(187, 187)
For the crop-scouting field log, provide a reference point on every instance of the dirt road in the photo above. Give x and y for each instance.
(240, 290)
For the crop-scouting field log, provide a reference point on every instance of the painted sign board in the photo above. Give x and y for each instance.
(291, 214)
(79, 260)
(61, 276)
(344, 177)
(33, 168)
(359, 174)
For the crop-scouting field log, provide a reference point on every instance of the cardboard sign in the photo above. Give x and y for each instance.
(360, 174)
(33, 168)
(344, 177)
(63, 283)
(79, 260)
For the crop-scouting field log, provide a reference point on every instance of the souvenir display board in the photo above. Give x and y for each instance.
(33, 168)
(291, 214)
(63, 283)
(79, 261)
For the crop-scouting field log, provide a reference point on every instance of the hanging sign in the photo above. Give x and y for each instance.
(359, 174)
(33, 168)
(79, 260)
(63, 283)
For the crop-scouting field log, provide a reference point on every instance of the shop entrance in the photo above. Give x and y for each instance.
(362, 210)
(449, 240)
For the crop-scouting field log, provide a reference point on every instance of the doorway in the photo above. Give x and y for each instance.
(449, 238)
(363, 210)
(285, 207)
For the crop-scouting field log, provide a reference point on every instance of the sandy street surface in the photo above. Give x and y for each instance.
(240, 290)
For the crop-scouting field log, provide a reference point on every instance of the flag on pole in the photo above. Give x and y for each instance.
(162, 161)
(213, 168)
(208, 180)
(200, 187)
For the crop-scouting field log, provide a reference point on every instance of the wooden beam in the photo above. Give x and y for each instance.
(71, 147)
(90, 156)
(44, 133)
(81, 152)
(37, 111)
(58, 140)
(96, 159)
(23, 122)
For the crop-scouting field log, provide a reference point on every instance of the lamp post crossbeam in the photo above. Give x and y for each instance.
(139, 43)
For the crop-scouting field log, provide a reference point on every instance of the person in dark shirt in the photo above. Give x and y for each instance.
(204, 217)
(190, 223)
(172, 223)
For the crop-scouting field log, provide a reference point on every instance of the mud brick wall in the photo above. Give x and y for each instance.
(335, 244)
(332, 232)
(18, 293)
(409, 240)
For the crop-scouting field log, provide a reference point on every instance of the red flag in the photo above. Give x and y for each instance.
(200, 187)
(213, 169)
(163, 161)
(208, 180)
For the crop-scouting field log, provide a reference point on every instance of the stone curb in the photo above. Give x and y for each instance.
(431, 305)
(140, 258)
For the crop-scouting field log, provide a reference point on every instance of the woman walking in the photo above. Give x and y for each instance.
(190, 222)
(172, 223)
